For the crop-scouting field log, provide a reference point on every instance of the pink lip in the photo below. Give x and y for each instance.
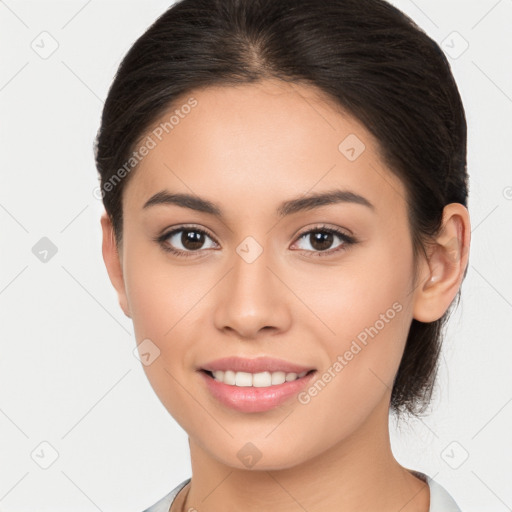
(251, 399)
(257, 365)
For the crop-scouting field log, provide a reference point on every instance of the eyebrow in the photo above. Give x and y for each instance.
(288, 207)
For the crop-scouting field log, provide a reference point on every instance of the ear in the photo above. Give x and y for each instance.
(112, 260)
(441, 274)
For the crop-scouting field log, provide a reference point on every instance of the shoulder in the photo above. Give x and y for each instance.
(165, 503)
(440, 499)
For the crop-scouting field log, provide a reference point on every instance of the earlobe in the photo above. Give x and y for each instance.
(444, 270)
(112, 260)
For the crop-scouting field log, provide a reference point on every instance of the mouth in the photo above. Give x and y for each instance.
(249, 393)
(263, 379)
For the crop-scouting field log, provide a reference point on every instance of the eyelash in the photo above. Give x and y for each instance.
(346, 239)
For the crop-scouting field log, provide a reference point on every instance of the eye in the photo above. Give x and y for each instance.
(321, 238)
(185, 241)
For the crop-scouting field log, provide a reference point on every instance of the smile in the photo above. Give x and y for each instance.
(250, 393)
(257, 380)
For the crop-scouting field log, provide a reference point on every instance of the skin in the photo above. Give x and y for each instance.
(247, 149)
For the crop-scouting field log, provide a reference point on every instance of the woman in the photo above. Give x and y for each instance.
(285, 190)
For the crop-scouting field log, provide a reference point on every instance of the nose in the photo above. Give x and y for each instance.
(253, 300)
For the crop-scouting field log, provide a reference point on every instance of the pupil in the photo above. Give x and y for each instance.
(322, 240)
(192, 240)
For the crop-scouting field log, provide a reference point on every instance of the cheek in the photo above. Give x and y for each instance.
(370, 324)
(162, 301)
(151, 303)
(159, 293)
(365, 312)
(166, 303)
(352, 296)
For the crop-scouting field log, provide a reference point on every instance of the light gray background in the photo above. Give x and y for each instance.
(68, 376)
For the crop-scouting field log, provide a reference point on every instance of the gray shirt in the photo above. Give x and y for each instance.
(440, 500)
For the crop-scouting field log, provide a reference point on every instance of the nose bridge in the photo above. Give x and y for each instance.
(250, 273)
(250, 299)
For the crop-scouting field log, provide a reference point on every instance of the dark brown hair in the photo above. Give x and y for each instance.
(366, 55)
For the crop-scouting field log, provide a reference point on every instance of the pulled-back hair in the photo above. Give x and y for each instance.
(366, 55)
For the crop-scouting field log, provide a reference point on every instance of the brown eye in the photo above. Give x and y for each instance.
(192, 240)
(186, 241)
(321, 240)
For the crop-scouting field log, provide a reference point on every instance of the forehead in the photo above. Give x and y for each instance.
(259, 143)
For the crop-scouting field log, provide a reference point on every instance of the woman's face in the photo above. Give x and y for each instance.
(269, 277)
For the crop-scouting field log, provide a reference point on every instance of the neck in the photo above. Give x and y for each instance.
(359, 474)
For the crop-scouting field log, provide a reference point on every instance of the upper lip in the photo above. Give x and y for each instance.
(256, 365)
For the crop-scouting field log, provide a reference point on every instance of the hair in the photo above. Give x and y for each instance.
(366, 55)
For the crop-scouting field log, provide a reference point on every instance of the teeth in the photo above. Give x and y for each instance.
(257, 380)
(243, 379)
(278, 378)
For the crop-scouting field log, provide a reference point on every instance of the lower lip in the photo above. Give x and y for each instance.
(251, 399)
